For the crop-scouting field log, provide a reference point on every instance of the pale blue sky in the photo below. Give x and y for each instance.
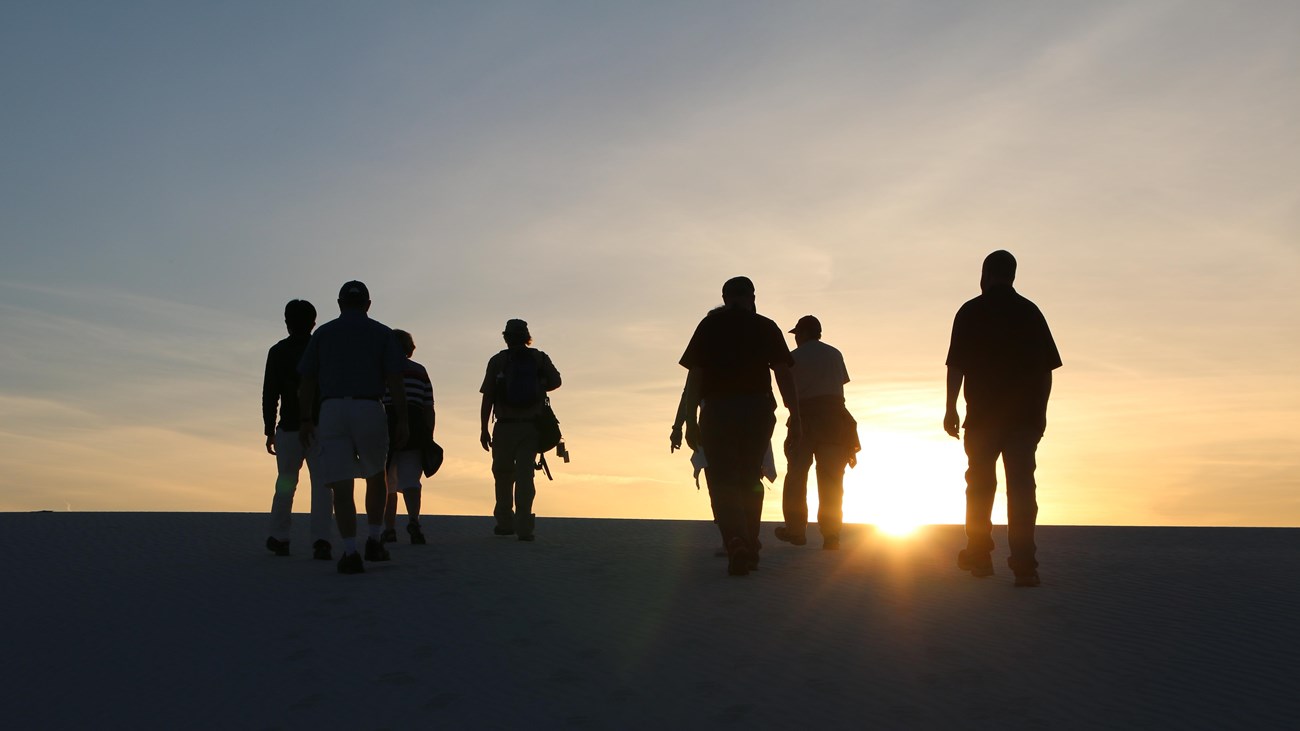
(171, 174)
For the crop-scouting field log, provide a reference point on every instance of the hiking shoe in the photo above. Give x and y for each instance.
(784, 534)
(351, 564)
(831, 543)
(276, 546)
(320, 550)
(375, 551)
(388, 536)
(499, 531)
(417, 537)
(739, 560)
(1028, 579)
(978, 564)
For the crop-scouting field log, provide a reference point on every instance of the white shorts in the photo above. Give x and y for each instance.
(353, 436)
(405, 470)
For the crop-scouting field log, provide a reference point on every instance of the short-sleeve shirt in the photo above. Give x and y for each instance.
(494, 383)
(1004, 349)
(416, 383)
(734, 350)
(351, 356)
(819, 370)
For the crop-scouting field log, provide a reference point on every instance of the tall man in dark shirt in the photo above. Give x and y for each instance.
(728, 359)
(1003, 351)
(352, 360)
(280, 387)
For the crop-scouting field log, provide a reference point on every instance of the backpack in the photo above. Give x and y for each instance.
(521, 383)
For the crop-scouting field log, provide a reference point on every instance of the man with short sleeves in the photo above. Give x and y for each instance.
(514, 391)
(351, 360)
(728, 361)
(829, 436)
(1003, 353)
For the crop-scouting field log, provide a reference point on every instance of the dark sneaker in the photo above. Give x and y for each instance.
(978, 564)
(320, 550)
(388, 536)
(351, 564)
(278, 547)
(784, 534)
(375, 551)
(1028, 579)
(739, 560)
(499, 531)
(831, 543)
(417, 537)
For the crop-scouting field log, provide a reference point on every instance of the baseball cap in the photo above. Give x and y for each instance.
(354, 291)
(807, 324)
(518, 327)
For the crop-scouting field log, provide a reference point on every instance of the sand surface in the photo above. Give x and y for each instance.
(132, 620)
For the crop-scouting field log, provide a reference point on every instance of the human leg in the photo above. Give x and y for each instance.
(503, 475)
(982, 449)
(794, 491)
(322, 501)
(831, 461)
(1019, 461)
(525, 484)
(288, 463)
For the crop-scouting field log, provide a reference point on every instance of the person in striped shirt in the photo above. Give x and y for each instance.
(405, 466)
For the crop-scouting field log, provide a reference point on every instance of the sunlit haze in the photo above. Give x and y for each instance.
(173, 173)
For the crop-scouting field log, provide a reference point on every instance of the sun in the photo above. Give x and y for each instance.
(905, 480)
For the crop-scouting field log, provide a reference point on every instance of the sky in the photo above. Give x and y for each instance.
(172, 173)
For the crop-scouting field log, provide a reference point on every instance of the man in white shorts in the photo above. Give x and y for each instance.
(280, 389)
(352, 360)
(406, 466)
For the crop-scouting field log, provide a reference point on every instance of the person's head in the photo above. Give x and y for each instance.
(354, 296)
(405, 342)
(299, 317)
(808, 328)
(516, 334)
(999, 269)
(738, 293)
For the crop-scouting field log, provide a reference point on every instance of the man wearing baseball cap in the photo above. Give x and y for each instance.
(830, 436)
(352, 360)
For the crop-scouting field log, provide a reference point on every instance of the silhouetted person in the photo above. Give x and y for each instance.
(352, 360)
(728, 359)
(280, 389)
(406, 465)
(514, 390)
(829, 436)
(1003, 351)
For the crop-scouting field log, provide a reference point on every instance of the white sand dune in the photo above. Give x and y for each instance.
(128, 620)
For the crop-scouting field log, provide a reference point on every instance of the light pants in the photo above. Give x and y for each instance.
(289, 458)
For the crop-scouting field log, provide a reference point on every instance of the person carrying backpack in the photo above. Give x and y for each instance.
(514, 390)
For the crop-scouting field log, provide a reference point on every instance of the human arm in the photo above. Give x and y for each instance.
(270, 397)
(687, 410)
(951, 420)
(397, 392)
(307, 409)
(790, 397)
(485, 412)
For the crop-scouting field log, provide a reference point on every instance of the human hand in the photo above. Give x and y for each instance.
(270, 445)
(675, 439)
(693, 435)
(485, 439)
(952, 423)
(306, 433)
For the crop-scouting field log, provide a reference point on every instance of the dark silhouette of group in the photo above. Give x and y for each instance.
(352, 404)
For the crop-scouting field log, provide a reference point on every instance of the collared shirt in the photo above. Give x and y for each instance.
(280, 383)
(819, 370)
(1004, 349)
(351, 356)
(734, 349)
